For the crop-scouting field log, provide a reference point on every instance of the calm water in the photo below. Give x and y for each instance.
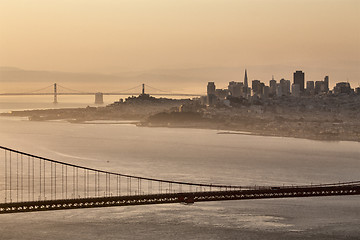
(191, 155)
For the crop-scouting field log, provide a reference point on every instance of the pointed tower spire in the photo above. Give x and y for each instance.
(246, 86)
(246, 79)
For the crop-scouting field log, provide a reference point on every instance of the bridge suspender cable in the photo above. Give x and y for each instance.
(118, 174)
(87, 187)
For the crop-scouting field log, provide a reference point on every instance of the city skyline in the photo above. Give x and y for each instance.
(121, 36)
(264, 91)
(15, 79)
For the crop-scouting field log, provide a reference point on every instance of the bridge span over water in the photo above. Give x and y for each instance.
(35, 183)
(56, 90)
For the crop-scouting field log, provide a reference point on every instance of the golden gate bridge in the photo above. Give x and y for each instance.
(35, 183)
(57, 89)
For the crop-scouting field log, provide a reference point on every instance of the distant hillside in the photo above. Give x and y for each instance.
(175, 80)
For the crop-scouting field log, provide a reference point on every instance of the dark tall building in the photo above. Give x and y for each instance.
(211, 97)
(246, 85)
(246, 80)
(285, 85)
(257, 87)
(236, 89)
(326, 81)
(299, 78)
(99, 98)
(272, 85)
(211, 88)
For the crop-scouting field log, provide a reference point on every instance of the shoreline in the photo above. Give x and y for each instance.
(228, 131)
(311, 125)
(205, 126)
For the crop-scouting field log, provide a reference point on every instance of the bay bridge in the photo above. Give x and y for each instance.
(35, 183)
(55, 90)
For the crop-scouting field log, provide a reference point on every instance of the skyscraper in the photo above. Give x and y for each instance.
(285, 85)
(246, 80)
(246, 86)
(299, 78)
(211, 88)
(272, 87)
(256, 87)
(236, 89)
(211, 98)
(326, 82)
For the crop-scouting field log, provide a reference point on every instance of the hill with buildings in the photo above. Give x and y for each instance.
(282, 108)
(301, 109)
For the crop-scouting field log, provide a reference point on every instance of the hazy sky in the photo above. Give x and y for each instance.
(110, 36)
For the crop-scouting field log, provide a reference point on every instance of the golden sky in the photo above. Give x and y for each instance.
(110, 36)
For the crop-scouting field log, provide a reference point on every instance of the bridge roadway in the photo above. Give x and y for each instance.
(351, 188)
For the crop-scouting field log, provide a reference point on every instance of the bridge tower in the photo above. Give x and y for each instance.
(99, 98)
(143, 89)
(55, 93)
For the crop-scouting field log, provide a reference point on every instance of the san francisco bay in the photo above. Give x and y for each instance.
(196, 156)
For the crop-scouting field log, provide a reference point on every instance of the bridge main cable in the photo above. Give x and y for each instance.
(84, 188)
(174, 182)
(126, 175)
